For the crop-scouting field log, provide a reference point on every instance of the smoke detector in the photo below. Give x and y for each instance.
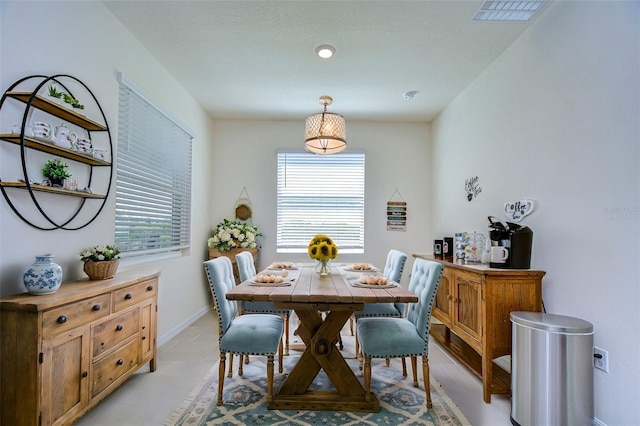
(409, 95)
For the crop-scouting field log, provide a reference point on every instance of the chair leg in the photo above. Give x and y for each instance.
(367, 379)
(279, 357)
(246, 359)
(358, 355)
(425, 377)
(286, 334)
(404, 367)
(351, 325)
(387, 362)
(270, 374)
(230, 374)
(240, 372)
(221, 368)
(414, 368)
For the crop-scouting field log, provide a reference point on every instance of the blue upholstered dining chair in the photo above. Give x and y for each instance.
(259, 334)
(247, 270)
(386, 337)
(393, 268)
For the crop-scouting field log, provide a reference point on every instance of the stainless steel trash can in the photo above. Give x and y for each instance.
(551, 370)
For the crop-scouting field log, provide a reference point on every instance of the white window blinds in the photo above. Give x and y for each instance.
(320, 194)
(153, 182)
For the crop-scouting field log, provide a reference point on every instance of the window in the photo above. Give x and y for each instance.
(320, 194)
(153, 183)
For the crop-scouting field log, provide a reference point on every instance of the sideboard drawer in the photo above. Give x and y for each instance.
(110, 333)
(70, 316)
(112, 367)
(129, 296)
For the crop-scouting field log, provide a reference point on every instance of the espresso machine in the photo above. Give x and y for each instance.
(510, 244)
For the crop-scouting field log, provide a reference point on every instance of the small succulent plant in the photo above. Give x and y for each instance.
(54, 92)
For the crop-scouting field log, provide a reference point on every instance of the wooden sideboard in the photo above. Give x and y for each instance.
(231, 254)
(62, 353)
(473, 303)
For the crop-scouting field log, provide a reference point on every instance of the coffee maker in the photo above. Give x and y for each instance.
(512, 244)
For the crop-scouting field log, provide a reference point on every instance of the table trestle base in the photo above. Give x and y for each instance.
(317, 400)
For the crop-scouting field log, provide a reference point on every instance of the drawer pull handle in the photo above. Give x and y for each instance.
(119, 327)
(96, 307)
(128, 296)
(62, 319)
(85, 374)
(120, 362)
(149, 288)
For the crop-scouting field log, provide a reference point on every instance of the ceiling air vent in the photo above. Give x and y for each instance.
(519, 11)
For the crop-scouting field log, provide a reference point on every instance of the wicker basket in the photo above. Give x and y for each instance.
(101, 270)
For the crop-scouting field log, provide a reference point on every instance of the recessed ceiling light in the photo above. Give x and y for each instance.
(512, 10)
(325, 51)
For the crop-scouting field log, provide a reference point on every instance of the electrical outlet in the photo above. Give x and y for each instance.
(601, 359)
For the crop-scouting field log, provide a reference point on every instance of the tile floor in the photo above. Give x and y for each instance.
(147, 399)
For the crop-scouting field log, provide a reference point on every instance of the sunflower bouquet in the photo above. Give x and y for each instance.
(322, 248)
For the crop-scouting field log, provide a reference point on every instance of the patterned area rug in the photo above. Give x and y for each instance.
(245, 401)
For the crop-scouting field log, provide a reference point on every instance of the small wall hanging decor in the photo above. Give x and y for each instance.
(472, 187)
(396, 214)
(243, 206)
(516, 210)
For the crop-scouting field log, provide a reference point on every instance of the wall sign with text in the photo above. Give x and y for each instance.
(396, 216)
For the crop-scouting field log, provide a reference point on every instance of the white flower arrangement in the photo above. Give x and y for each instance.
(231, 234)
(99, 253)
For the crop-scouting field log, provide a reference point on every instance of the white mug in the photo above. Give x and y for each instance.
(499, 254)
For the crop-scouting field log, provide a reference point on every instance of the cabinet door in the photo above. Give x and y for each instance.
(443, 301)
(468, 305)
(146, 332)
(65, 367)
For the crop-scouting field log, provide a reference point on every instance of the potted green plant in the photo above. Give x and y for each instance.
(54, 94)
(78, 107)
(56, 171)
(73, 102)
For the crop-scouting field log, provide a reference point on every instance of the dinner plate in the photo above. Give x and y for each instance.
(373, 270)
(282, 284)
(272, 268)
(287, 281)
(356, 283)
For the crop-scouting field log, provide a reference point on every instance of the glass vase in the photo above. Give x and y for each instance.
(323, 268)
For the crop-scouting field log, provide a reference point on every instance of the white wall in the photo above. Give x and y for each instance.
(83, 39)
(556, 119)
(397, 157)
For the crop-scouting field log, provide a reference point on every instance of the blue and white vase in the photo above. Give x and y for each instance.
(43, 276)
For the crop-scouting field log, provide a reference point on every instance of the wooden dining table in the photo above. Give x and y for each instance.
(323, 306)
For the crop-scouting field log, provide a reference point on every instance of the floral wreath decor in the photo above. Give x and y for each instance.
(322, 248)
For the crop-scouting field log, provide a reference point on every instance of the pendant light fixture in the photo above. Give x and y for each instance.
(325, 132)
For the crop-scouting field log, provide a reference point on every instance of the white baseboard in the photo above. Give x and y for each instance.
(180, 327)
(597, 422)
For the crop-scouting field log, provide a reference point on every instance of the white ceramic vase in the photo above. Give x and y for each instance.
(43, 276)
